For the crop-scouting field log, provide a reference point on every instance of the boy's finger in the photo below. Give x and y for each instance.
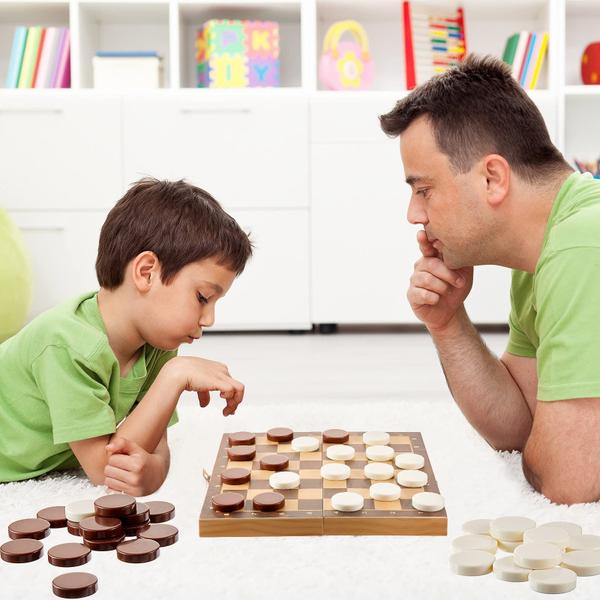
(115, 485)
(121, 461)
(204, 398)
(118, 474)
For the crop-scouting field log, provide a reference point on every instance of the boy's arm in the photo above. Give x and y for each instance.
(144, 428)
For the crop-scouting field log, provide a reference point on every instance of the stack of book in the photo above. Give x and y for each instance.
(525, 52)
(434, 41)
(40, 58)
(127, 70)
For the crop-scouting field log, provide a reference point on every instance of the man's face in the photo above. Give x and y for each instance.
(447, 204)
(176, 313)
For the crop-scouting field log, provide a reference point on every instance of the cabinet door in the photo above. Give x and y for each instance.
(62, 248)
(363, 248)
(247, 151)
(273, 290)
(59, 151)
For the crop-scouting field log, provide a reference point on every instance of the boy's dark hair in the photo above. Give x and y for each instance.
(478, 108)
(177, 221)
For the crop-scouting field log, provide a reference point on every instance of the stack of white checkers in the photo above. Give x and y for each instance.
(379, 470)
(549, 556)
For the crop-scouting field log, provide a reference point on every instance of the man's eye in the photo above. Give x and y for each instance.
(422, 193)
(202, 299)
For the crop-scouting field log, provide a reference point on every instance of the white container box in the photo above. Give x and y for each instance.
(143, 72)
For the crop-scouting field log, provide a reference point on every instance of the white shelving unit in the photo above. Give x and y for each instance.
(307, 170)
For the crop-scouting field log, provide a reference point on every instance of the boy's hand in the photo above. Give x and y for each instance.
(436, 292)
(203, 376)
(131, 469)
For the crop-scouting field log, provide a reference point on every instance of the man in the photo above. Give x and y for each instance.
(489, 187)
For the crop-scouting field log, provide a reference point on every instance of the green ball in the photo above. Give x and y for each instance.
(15, 278)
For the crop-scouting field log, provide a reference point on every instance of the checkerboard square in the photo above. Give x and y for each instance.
(311, 456)
(310, 494)
(310, 473)
(226, 487)
(239, 464)
(338, 485)
(395, 505)
(291, 505)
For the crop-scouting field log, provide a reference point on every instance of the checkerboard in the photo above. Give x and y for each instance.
(308, 509)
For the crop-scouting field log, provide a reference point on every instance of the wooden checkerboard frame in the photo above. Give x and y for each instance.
(308, 510)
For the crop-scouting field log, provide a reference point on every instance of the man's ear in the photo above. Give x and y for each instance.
(497, 173)
(145, 269)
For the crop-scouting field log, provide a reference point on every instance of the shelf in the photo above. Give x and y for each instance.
(582, 90)
(192, 15)
(122, 26)
(582, 25)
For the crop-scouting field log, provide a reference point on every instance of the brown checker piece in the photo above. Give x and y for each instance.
(302, 513)
(382, 518)
(308, 509)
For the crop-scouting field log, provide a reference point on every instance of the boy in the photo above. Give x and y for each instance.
(95, 381)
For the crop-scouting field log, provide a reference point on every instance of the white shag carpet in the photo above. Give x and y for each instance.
(476, 482)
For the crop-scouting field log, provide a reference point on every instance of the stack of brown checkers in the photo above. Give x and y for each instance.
(75, 585)
(137, 521)
(101, 533)
(103, 524)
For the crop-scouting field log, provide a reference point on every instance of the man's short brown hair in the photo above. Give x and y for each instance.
(478, 108)
(177, 221)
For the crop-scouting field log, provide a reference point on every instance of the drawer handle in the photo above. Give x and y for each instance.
(216, 111)
(29, 111)
(41, 228)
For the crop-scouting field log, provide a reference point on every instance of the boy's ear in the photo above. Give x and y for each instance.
(145, 269)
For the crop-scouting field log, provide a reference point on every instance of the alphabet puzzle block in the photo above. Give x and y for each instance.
(235, 53)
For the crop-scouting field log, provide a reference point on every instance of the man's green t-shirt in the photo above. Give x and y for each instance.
(555, 311)
(60, 382)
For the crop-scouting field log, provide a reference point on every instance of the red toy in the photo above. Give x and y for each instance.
(590, 64)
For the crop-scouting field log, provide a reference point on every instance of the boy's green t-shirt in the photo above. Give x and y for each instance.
(60, 382)
(555, 311)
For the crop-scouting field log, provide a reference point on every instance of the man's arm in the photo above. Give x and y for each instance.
(483, 386)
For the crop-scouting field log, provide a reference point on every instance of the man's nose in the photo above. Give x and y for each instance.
(416, 213)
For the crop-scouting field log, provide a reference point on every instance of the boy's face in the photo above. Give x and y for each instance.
(176, 313)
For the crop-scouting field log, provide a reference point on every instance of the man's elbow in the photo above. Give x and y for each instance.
(560, 485)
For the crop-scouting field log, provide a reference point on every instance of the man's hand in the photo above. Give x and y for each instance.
(131, 469)
(436, 292)
(203, 376)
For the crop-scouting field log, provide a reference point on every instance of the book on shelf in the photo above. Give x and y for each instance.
(129, 69)
(39, 58)
(524, 52)
(434, 40)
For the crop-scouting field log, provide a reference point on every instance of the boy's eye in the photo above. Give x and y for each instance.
(202, 299)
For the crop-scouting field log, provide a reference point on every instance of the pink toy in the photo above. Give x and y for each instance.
(346, 65)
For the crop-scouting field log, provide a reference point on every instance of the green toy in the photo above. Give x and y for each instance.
(15, 278)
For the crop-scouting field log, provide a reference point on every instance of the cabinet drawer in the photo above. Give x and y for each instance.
(62, 248)
(59, 151)
(249, 151)
(350, 117)
(273, 290)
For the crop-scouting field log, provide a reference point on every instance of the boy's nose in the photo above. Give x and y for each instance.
(208, 318)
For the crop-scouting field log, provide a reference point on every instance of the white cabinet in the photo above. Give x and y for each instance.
(247, 150)
(273, 290)
(59, 151)
(62, 247)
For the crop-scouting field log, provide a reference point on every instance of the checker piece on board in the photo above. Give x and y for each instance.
(274, 462)
(280, 434)
(268, 501)
(241, 453)
(242, 438)
(228, 502)
(235, 476)
(335, 436)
